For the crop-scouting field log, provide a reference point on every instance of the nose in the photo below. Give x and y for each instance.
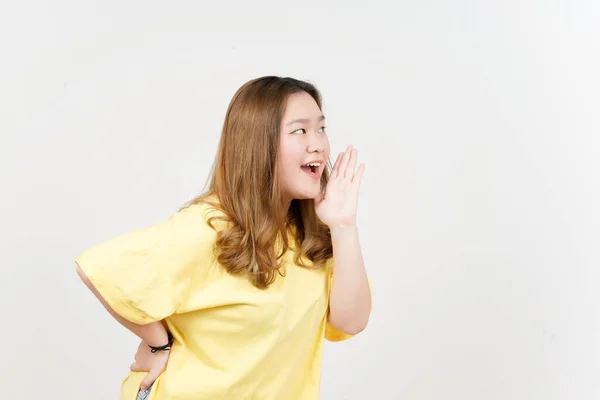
(315, 144)
(316, 148)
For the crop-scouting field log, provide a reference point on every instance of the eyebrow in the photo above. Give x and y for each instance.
(304, 120)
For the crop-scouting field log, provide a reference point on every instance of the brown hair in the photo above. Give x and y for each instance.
(245, 180)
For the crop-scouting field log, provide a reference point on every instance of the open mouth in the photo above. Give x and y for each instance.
(312, 169)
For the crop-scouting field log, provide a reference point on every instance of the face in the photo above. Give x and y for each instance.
(303, 147)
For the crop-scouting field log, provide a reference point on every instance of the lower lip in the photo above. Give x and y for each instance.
(314, 175)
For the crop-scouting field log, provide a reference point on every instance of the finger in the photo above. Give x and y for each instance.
(351, 164)
(336, 166)
(150, 378)
(358, 176)
(344, 161)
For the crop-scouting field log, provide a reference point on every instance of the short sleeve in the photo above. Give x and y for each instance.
(333, 334)
(144, 275)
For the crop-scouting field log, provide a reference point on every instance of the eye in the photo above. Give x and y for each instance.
(300, 131)
(323, 129)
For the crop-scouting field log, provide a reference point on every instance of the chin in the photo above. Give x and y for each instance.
(308, 195)
(304, 192)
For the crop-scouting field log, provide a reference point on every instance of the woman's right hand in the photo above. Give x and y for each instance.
(153, 363)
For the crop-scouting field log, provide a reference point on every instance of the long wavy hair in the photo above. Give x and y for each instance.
(245, 186)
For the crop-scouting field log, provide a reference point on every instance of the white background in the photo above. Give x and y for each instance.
(479, 206)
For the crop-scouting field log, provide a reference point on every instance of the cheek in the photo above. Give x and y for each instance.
(288, 158)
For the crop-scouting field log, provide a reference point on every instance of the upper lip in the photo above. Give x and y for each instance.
(314, 161)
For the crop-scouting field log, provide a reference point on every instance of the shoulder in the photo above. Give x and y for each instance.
(182, 240)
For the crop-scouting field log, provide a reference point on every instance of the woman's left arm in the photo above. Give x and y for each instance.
(350, 296)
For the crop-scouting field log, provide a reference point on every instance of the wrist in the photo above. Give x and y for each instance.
(156, 334)
(342, 228)
(165, 347)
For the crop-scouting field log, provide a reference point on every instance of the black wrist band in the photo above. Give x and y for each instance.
(154, 349)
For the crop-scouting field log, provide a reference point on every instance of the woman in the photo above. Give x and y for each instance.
(233, 295)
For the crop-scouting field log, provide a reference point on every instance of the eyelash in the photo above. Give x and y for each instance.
(323, 128)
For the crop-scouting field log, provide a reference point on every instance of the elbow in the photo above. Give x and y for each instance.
(83, 276)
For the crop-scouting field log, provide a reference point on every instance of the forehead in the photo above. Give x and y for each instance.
(301, 105)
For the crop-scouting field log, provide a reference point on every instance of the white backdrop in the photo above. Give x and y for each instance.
(478, 213)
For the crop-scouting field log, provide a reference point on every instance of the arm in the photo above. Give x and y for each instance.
(142, 276)
(350, 294)
(350, 298)
(154, 333)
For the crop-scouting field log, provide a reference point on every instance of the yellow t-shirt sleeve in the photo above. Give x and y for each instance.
(333, 334)
(145, 275)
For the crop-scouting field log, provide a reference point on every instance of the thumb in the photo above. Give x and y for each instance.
(319, 198)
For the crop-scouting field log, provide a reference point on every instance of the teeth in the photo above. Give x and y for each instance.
(312, 165)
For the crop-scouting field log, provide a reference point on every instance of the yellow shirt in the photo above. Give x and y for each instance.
(232, 340)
